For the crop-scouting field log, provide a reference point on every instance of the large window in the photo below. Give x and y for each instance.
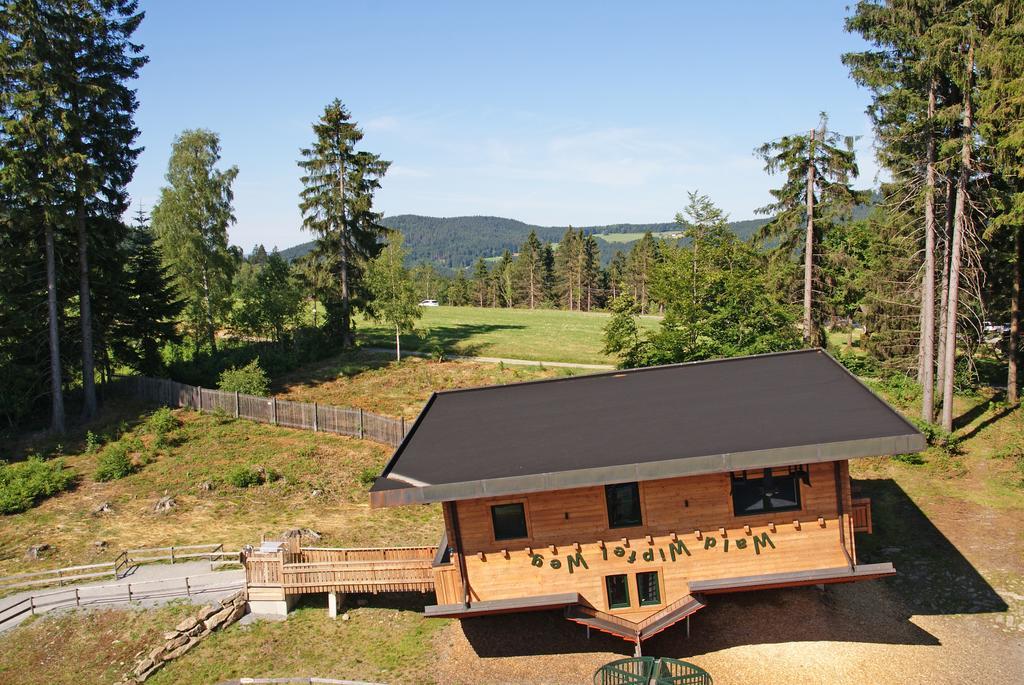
(767, 493)
(623, 505)
(509, 521)
(647, 588)
(618, 591)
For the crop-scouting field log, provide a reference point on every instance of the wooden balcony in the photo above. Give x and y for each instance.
(292, 570)
(861, 515)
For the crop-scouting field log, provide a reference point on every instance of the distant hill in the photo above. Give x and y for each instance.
(455, 242)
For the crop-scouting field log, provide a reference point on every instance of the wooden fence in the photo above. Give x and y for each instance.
(349, 421)
(124, 562)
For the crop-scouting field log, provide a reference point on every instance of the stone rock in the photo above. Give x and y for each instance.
(186, 625)
(206, 612)
(181, 650)
(103, 508)
(316, 493)
(308, 533)
(37, 551)
(155, 655)
(175, 643)
(169, 635)
(346, 617)
(206, 486)
(100, 545)
(143, 666)
(164, 504)
(214, 622)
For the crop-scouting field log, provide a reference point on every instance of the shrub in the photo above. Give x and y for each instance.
(858, 364)
(92, 442)
(162, 421)
(244, 477)
(368, 475)
(25, 483)
(114, 463)
(250, 379)
(949, 444)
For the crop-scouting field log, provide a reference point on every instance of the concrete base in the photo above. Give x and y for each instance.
(334, 602)
(272, 607)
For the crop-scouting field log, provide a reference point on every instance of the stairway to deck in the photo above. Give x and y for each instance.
(634, 631)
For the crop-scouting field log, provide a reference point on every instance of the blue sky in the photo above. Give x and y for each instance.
(552, 113)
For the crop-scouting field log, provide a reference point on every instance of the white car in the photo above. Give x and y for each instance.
(429, 303)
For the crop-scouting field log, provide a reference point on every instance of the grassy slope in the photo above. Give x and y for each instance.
(376, 383)
(539, 334)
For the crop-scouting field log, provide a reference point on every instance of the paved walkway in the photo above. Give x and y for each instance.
(497, 360)
(149, 585)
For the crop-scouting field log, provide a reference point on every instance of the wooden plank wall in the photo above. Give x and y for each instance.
(676, 506)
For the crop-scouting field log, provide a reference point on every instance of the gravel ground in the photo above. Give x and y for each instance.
(846, 634)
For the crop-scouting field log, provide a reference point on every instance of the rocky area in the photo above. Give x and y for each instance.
(187, 635)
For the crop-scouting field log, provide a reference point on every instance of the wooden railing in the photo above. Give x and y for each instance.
(325, 569)
(861, 515)
(121, 565)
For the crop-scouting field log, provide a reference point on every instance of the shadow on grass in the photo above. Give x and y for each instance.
(932, 578)
(450, 338)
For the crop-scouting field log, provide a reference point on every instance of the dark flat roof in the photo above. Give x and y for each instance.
(642, 424)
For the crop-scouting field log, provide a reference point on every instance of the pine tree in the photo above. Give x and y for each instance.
(191, 222)
(590, 270)
(530, 265)
(816, 192)
(481, 280)
(339, 183)
(567, 268)
(640, 263)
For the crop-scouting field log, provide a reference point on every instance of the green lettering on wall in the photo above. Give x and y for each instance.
(709, 542)
(619, 552)
(555, 564)
(727, 544)
(762, 541)
(577, 560)
(741, 543)
(604, 552)
(632, 557)
(649, 555)
(537, 560)
(678, 547)
(661, 551)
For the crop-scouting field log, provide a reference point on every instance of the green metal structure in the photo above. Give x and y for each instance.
(648, 670)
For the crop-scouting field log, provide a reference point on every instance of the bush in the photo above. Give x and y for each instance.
(368, 475)
(858, 364)
(250, 379)
(114, 463)
(25, 483)
(162, 421)
(92, 442)
(949, 444)
(244, 477)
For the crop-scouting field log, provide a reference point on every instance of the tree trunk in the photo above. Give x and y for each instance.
(85, 315)
(927, 361)
(960, 226)
(398, 345)
(947, 233)
(809, 336)
(1013, 353)
(56, 381)
(346, 298)
(211, 328)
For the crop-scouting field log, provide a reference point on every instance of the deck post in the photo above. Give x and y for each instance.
(334, 602)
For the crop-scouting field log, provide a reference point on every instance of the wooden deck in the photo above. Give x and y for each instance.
(295, 570)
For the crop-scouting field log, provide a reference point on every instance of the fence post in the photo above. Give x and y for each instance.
(199, 391)
(172, 554)
(402, 436)
(129, 592)
(32, 604)
(188, 589)
(360, 423)
(78, 598)
(315, 418)
(273, 407)
(237, 405)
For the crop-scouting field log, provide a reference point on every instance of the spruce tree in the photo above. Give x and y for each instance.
(336, 201)
(816, 192)
(530, 265)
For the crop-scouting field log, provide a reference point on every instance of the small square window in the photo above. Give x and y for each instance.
(509, 521)
(623, 501)
(618, 591)
(647, 588)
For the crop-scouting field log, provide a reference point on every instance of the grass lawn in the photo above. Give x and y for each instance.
(376, 383)
(538, 334)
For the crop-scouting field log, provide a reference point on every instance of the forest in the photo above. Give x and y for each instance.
(90, 289)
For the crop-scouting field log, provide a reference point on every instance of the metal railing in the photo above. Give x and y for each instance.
(647, 670)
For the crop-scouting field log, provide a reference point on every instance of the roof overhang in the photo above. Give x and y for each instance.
(393, 490)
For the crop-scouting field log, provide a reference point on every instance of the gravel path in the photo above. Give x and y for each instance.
(499, 360)
(150, 585)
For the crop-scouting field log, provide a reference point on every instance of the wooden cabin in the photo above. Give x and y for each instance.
(628, 498)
